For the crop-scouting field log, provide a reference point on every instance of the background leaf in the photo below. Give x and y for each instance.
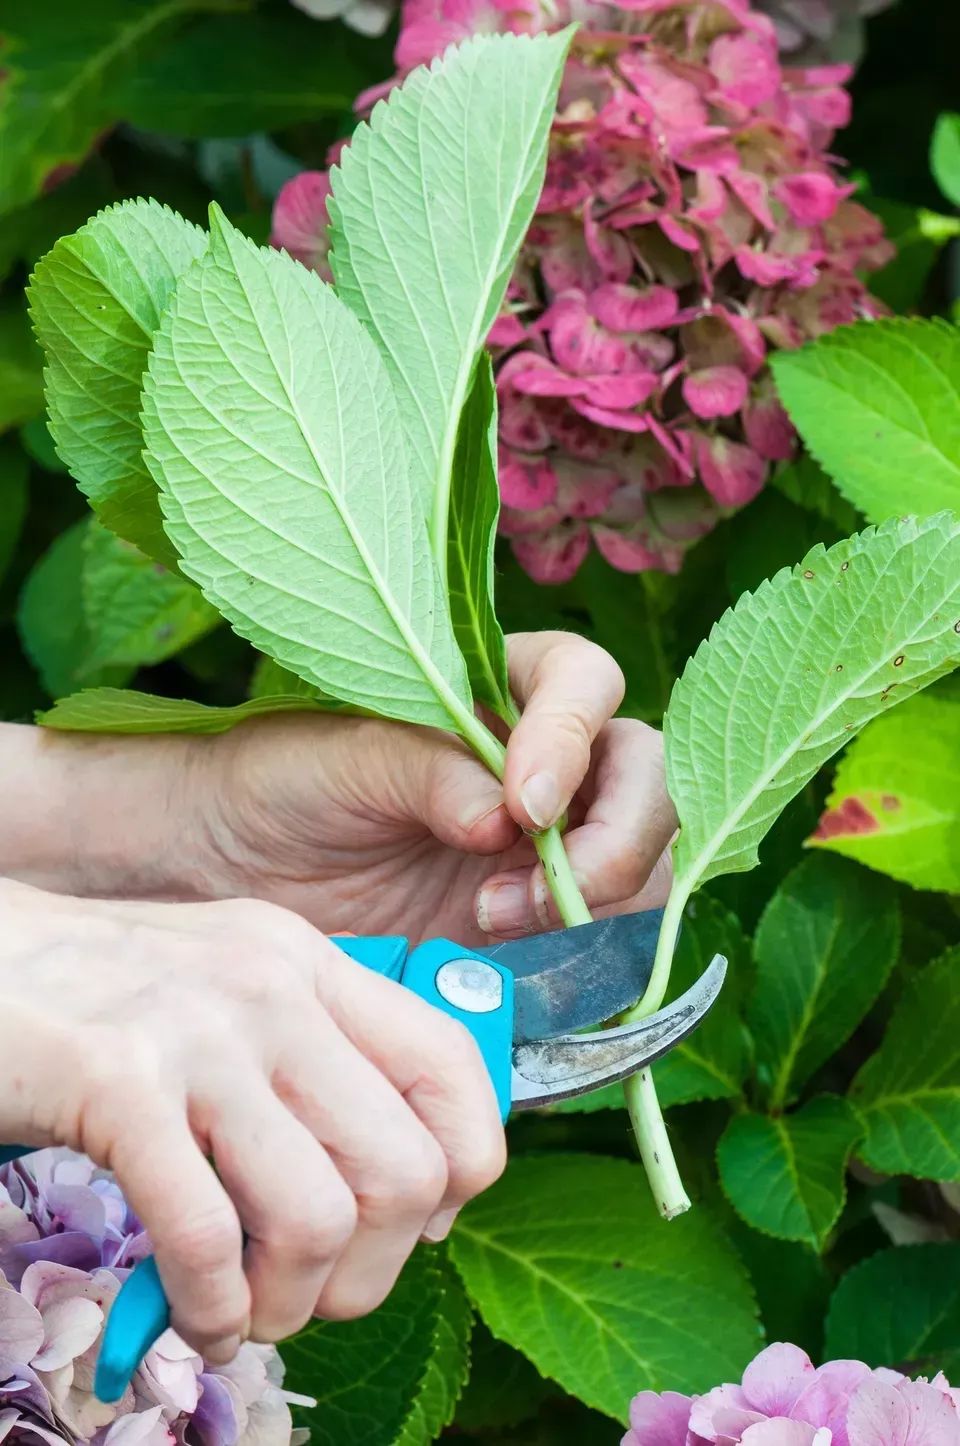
(790, 672)
(895, 802)
(137, 613)
(96, 301)
(13, 499)
(784, 1174)
(474, 509)
(370, 1377)
(712, 1062)
(909, 1091)
(334, 578)
(504, 1387)
(66, 73)
(824, 949)
(945, 155)
(430, 204)
(21, 378)
(230, 75)
(878, 404)
(557, 1258)
(900, 1308)
(52, 623)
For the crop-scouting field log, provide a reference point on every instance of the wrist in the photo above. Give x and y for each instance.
(103, 816)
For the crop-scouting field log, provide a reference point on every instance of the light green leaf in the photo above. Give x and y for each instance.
(65, 78)
(447, 1366)
(712, 1062)
(784, 1174)
(14, 472)
(38, 444)
(270, 681)
(233, 75)
(21, 367)
(367, 1375)
(271, 430)
(51, 619)
(96, 301)
(824, 949)
(117, 710)
(895, 804)
(137, 612)
(878, 405)
(900, 1308)
(474, 509)
(430, 203)
(945, 155)
(909, 1091)
(790, 673)
(918, 236)
(559, 1260)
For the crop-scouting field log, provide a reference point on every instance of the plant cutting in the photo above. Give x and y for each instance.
(321, 463)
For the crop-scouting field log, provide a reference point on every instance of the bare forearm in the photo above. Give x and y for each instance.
(100, 816)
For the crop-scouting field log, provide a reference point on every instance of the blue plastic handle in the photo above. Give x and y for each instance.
(140, 1313)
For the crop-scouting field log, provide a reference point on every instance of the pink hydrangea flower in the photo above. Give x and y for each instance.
(692, 219)
(783, 1400)
(67, 1240)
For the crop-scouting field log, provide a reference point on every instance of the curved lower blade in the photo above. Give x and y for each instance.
(574, 978)
(548, 1070)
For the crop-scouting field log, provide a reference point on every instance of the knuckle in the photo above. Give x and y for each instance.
(485, 1163)
(413, 1182)
(351, 1296)
(314, 1239)
(206, 1242)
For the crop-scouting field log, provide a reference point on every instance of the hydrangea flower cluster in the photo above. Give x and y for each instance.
(67, 1240)
(692, 219)
(784, 1401)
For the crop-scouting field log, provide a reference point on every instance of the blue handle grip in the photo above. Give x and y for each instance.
(140, 1313)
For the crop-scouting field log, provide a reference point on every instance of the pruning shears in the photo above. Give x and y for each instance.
(523, 1002)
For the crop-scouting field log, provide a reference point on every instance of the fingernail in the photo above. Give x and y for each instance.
(478, 810)
(501, 908)
(438, 1227)
(540, 796)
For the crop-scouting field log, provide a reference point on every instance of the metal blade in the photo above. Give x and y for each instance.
(548, 1070)
(573, 978)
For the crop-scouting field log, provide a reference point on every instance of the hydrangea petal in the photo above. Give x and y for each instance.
(715, 392)
(658, 1420)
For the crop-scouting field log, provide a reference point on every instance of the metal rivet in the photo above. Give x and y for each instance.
(470, 985)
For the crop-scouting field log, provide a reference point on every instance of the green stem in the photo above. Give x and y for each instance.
(653, 1143)
(641, 1096)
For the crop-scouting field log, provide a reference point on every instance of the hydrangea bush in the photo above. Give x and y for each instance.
(67, 1241)
(693, 219)
(783, 1400)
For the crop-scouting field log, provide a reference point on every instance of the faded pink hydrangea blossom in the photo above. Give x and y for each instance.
(822, 29)
(783, 1400)
(692, 219)
(67, 1241)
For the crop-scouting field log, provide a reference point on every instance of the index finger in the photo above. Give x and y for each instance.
(569, 689)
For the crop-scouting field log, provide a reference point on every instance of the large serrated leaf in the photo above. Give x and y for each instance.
(878, 404)
(273, 435)
(367, 1375)
(909, 1091)
(430, 204)
(793, 671)
(119, 710)
(63, 81)
(474, 509)
(895, 802)
(824, 949)
(96, 300)
(899, 1308)
(784, 1174)
(447, 1366)
(558, 1260)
